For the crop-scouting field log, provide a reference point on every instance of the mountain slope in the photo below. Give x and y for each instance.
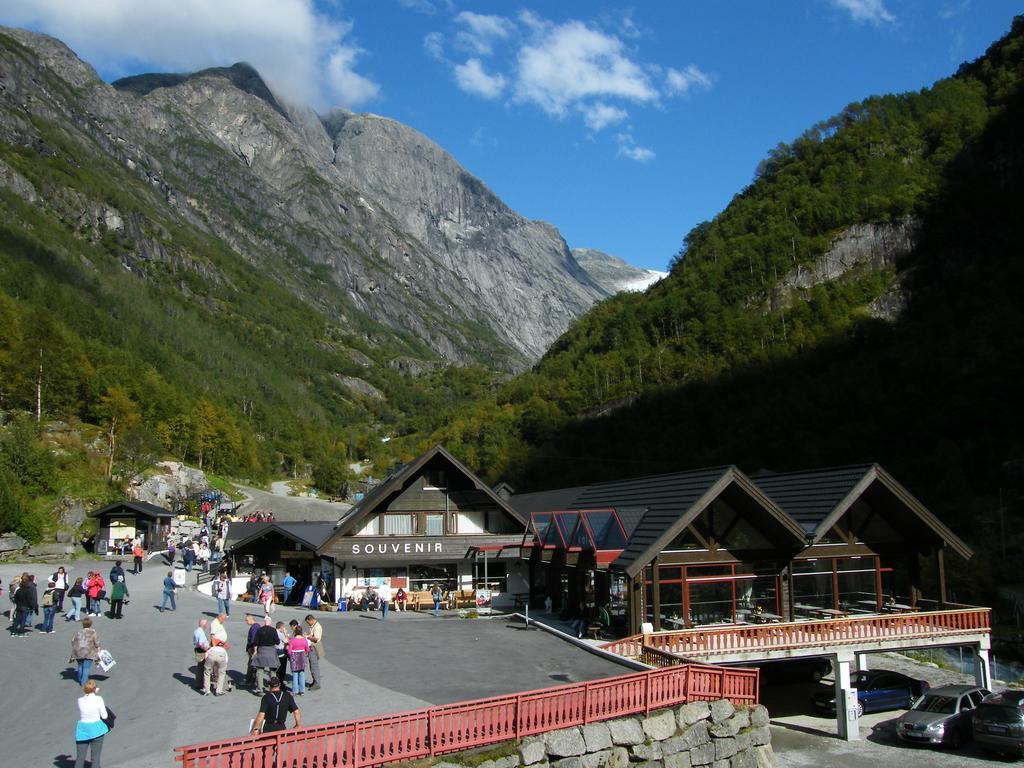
(612, 273)
(859, 301)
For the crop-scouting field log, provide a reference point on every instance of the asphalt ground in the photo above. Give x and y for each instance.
(371, 667)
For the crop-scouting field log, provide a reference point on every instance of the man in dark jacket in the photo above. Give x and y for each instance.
(25, 605)
(116, 571)
(265, 660)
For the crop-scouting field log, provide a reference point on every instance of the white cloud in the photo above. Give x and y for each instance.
(629, 148)
(433, 44)
(601, 115)
(472, 78)
(482, 31)
(304, 56)
(872, 11)
(681, 81)
(572, 62)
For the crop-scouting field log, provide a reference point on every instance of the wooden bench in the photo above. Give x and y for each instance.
(463, 598)
(420, 600)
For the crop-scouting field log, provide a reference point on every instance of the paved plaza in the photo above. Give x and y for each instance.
(371, 667)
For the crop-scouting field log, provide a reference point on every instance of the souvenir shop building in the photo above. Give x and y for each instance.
(430, 522)
(715, 546)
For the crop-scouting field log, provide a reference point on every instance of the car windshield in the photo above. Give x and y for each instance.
(942, 704)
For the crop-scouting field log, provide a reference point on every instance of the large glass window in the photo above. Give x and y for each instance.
(856, 581)
(423, 577)
(434, 524)
(711, 602)
(398, 525)
(470, 522)
(812, 583)
(497, 575)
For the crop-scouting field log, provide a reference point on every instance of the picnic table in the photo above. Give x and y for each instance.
(817, 610)
(763, 618)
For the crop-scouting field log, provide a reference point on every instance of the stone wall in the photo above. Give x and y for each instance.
(715, 734)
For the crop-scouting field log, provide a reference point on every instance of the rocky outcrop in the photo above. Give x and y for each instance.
(860, 247)
(173, 481)
(10, 543)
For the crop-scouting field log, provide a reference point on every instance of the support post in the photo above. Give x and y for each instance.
(862, 662)
(656, 594)
(940, 561)
(847, 720)
(982, 665)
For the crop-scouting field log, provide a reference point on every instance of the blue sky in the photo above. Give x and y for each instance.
(623, 125)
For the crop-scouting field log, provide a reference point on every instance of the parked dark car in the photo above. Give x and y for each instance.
(942, 716)
(999, 723)
(878, 690)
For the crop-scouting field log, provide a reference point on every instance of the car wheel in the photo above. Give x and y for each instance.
(859, 709)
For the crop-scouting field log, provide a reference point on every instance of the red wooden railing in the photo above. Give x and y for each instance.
(377, 741)
(739, 638)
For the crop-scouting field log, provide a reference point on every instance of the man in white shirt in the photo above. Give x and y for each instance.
(315, 633)
(384, 593)
(218, 632)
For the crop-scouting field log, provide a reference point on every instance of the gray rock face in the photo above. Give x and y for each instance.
(759, 716)
(626, 732)
(597, 737)
(691, 713)
(567, 742)
(860, 247)
(174, 481)
(11, 542)
(531, 752)
(678, 760)
(721, 710)
(660, 726)
(696, 735)
(516, 269)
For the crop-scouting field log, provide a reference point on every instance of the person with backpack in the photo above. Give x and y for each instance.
(49, 608)
(118, 592)
(299, 649)
(75, 595)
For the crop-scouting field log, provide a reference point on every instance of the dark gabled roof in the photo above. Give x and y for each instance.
(809, 497)
(545, 501)
(818, 498)
(672, 501)
(400, 476)
(311, 535)
(139, 507)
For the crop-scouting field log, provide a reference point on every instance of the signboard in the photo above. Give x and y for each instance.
(397, 548)
(290, 554)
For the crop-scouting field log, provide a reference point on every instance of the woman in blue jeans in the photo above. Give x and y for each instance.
(85, 649)
(75, 595)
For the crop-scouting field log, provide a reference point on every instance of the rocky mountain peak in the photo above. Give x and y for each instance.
(242, 76)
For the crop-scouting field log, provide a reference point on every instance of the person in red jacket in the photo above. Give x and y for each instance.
(96, 585)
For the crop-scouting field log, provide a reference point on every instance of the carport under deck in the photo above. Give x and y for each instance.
(846, 640)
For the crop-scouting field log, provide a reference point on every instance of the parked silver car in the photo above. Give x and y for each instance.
(999, 723)
(941, 716)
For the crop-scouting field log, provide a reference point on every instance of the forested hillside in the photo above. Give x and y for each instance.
(729, 359)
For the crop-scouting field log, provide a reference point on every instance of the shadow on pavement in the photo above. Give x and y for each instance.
(64, 761)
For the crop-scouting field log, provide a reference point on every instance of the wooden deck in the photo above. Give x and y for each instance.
(745, 642)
